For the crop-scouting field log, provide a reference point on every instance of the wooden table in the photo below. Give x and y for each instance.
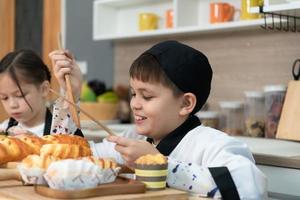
(14, 190)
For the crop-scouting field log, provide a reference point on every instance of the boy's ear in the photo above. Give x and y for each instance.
(45, 88)
(189, 101)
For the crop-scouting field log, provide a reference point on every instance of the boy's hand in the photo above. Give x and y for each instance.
(63, 63)
(131, 149)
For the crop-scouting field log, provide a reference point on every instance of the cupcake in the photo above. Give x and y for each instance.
(152, 170)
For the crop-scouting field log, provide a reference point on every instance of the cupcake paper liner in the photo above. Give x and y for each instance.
(154, 176)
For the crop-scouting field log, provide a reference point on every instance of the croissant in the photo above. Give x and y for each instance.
(15, 149)
(103, 163)
(34, 142)
(65, 139)
(64, 151)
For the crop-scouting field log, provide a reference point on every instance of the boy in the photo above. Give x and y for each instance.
(169, 83)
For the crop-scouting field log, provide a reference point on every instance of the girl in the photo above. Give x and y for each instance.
(24, 86)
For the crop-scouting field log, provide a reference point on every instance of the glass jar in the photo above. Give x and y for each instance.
(209, 118)
(274, 98)
(232, 117)
(254, 113)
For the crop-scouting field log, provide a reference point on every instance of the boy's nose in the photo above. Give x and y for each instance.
(135, 105)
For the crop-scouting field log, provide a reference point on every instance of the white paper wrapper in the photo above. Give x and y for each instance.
(32, 175)
(73, 174)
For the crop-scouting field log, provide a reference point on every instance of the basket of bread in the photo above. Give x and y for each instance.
(62, 162)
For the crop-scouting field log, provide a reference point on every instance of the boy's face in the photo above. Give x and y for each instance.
(15, 104)
(155, 109)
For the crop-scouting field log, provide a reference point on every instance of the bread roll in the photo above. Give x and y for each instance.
(64, 151)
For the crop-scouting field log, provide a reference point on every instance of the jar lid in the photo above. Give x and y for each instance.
(254, 94)
(231, 104)
(274, 88)
(207, 114)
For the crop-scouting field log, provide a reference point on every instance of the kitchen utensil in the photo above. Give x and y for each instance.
(86, 113)
(296, 65)
(289, 126)
(73, 111)
(120, 186)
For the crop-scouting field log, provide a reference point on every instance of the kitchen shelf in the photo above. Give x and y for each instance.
(283, 7)
(238, 25)
(118, 19)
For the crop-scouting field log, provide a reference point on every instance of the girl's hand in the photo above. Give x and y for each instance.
(63, 63)
(131, 149)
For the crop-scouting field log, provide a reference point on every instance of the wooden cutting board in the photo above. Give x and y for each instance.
(120, 186)
(16, 191)
(289, 123)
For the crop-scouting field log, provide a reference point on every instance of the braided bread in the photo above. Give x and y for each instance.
(64, 151)
(3, 155)
(66, 139)
(62, 146)
(16, 150)
(34, 142)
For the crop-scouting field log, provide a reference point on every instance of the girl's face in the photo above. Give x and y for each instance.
(15, 104)
(155, 109)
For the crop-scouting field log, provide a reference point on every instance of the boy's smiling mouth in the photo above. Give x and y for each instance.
(139, 118)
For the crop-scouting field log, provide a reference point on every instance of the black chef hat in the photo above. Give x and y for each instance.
(186, 67)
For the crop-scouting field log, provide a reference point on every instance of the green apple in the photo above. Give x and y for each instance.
(108, 97)
(87, 94)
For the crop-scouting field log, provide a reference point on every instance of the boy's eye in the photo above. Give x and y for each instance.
(133, 94)
(147, 97)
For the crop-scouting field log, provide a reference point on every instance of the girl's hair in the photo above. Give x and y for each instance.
(25, 65)
(146, 68)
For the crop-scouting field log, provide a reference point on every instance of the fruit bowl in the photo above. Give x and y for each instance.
(99, 110)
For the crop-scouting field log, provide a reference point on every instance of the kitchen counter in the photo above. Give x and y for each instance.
(279, 160)
(274, 152)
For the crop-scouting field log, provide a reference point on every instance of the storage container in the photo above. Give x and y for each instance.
(274, 98)
(254, 113)
(209, 118)
(232, 117)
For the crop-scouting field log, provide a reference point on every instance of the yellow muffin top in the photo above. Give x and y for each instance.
(151, 159)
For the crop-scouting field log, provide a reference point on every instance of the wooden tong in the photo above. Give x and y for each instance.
(73, 110)
(84, 112)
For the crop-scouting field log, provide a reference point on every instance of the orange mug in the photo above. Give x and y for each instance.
(221, 12)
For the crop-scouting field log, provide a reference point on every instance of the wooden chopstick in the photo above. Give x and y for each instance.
(84, 112)
(70, 96)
